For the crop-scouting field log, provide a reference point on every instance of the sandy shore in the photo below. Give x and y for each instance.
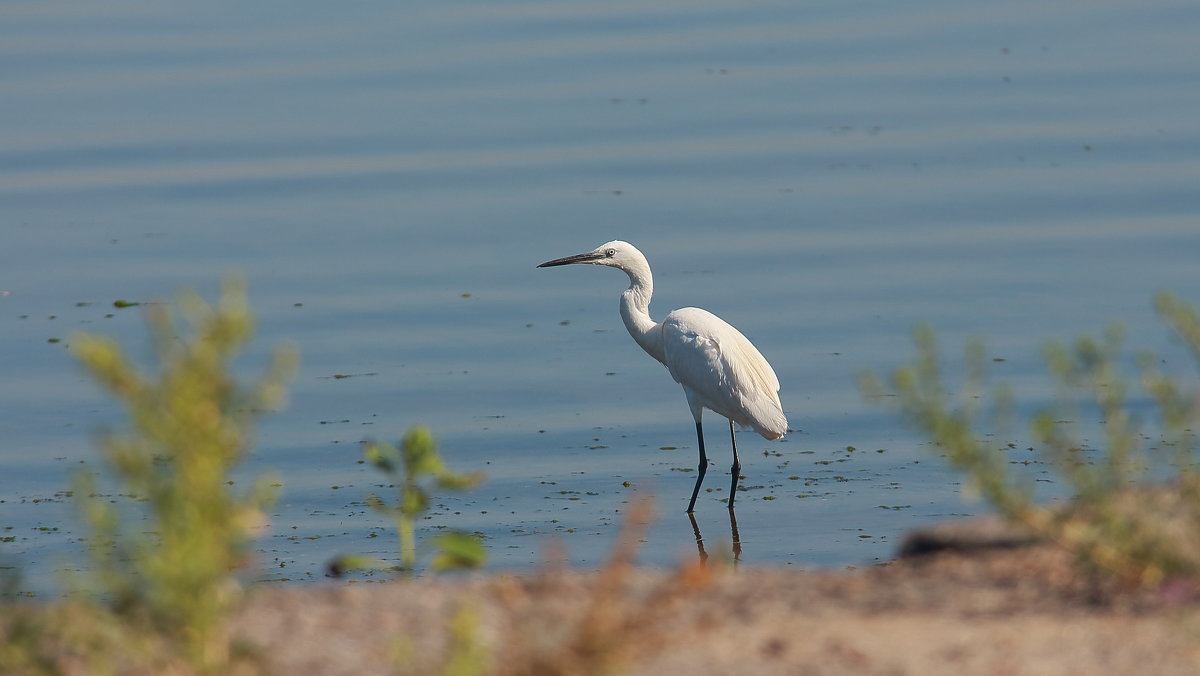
(1006, 609)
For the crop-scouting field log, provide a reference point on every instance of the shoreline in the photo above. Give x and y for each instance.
(1013, 609)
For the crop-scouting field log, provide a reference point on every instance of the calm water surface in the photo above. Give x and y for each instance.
(386, 176)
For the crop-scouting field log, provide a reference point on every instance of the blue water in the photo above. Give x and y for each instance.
(387, 175)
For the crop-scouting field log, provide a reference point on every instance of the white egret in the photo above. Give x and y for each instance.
(718, 367)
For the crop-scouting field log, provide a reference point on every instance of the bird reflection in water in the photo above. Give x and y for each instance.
(736, 548)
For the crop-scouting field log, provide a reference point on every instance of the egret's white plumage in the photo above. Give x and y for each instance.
(718, 367)
(721, 370)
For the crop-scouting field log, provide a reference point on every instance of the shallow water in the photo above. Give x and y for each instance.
(823, 176)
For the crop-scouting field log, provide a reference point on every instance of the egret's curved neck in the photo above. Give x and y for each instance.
(635, 310)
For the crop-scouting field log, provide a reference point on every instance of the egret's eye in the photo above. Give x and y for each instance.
(610, 253)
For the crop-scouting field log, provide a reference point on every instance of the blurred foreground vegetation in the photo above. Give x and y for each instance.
(166, 551)
(164, 554)
(415, 470)
(1118, 521)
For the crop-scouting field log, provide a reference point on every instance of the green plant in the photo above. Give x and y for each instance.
(466, 655)
(1117, 521)
(415, 469)
(164, 559)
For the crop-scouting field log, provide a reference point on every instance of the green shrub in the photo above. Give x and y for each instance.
(164, 560)
(415, 469)
(1117, 520)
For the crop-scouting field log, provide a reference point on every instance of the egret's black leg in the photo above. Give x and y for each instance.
(736, 470)
(699, 470)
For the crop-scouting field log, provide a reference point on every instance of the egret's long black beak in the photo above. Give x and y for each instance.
(577, 258)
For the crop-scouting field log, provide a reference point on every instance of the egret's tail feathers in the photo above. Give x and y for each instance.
(770, 422)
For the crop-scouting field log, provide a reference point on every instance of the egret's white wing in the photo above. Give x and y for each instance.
(723, 370)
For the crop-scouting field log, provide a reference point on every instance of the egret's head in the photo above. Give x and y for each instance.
(616, 254)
